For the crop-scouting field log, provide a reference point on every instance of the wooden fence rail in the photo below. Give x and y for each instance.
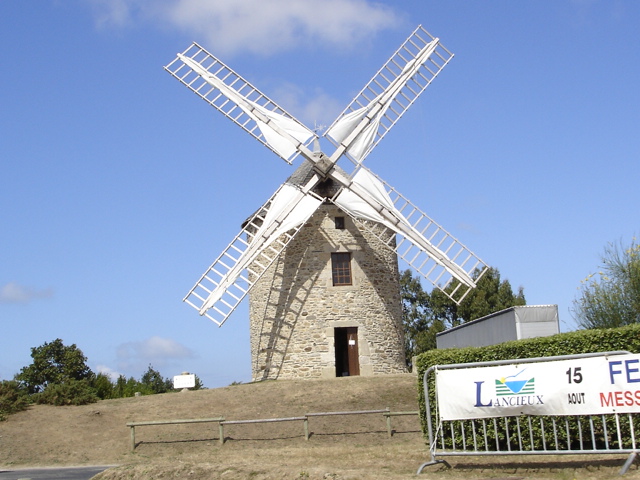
(266, 420)
(305, 419)
(132, 426)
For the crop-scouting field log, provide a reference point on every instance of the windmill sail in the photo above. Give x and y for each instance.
(228, 280)
(424, 244)
(373, 204)
(241, 102)
(363, 124)
(388, 95)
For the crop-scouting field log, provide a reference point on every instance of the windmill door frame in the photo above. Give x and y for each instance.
(347, 354)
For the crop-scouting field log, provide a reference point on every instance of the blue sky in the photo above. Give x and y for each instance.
(118, 186)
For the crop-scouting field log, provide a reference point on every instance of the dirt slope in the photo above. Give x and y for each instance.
(340, 447)
(97, 433)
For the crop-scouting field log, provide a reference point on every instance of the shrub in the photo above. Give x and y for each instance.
(13, 398)
(71, 392)
(153, 382)
(127, 387)
(103, 386)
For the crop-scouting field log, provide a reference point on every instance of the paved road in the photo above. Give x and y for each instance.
(51, 473)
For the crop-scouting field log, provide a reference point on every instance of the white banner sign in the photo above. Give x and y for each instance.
(587, 386)
(184, 381)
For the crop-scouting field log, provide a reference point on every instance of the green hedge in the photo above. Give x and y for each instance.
(582, 341)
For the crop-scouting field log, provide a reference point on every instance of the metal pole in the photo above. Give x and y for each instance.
(630, 459)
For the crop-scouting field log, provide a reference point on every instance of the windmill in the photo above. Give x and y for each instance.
(375, 210)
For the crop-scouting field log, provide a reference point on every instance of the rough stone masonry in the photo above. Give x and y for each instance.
(295, 309)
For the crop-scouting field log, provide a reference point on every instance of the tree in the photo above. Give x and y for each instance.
(611, 298)
(103, 386)
(126, 387)
(420, 321)
(426, 314)
(491, 295)
(54, 363)
(153, 381)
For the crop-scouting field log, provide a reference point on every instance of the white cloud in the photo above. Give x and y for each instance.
(268, 26)
(263, 27)
(163, 347)
(113, 13)
(311, 109)
(15, 293)
(157, 351)
(259, 26)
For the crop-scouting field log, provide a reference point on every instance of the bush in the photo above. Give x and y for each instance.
(103, 386)
(127, 387)
(71, 392)
(13, 398)
(611, 298)
(153, 382)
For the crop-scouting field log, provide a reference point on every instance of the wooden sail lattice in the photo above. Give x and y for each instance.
(415, 237)
(237, 108)
(410, 90)
(238, 284)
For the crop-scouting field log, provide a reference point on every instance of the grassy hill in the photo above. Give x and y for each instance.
(97, 433)
(340, 447)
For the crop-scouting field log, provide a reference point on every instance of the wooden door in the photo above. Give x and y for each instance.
(347, 356)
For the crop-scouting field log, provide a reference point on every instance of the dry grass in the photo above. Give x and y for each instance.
(343, 447)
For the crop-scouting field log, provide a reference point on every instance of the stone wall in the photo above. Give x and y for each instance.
(294, 307)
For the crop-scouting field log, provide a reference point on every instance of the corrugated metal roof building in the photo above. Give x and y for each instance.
(514, 323)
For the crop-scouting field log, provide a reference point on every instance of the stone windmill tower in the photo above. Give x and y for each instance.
(330, 304)
(320, 257)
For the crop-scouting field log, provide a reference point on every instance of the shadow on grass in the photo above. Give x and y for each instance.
(272, 438)
(553, 464)
(168, 442)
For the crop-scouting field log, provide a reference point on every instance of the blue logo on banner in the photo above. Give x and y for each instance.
(510, 392)
(512, 386)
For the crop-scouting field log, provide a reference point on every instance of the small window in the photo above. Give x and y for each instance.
(341, 268)
(339, 223)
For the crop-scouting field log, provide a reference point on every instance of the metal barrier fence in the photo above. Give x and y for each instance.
(529, 434)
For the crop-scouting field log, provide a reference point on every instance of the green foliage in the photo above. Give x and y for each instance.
(54, 363)
(70, 392)
(418, 319)
(150, 383)
(103, 386)
(491, 295)
(153, 382)
(583, 341)
(13, 398)
(59, 375)
(426, 314)
(199, 385)
(127, 387)
(524, 433)
(611, 298)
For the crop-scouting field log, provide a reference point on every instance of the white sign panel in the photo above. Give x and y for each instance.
(184, 381)
(587, 386)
